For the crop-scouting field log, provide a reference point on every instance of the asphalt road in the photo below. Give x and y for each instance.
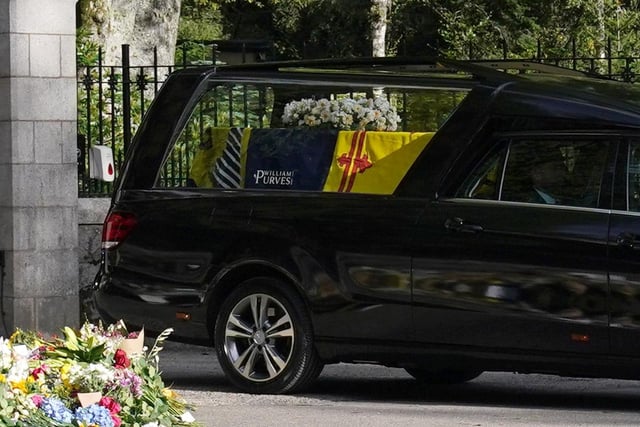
(366, 395)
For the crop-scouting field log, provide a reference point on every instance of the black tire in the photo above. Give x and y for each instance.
(264, 339)
(443, 376)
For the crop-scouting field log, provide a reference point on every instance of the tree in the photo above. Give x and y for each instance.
(379, 11)
(200, 20)
(143, 26)
(528, 28)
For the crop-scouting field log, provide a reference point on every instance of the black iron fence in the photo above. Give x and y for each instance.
(111, 102)
(113, 99)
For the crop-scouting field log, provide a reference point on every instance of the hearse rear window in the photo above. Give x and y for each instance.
(300, 137)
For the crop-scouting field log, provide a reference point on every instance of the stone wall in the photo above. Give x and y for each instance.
(38, 170)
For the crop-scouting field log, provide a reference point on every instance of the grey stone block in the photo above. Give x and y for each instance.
(23, 228)
(45, 273)
(44, 55)
(48, 142)
(53, 313)
(5, 42)
(93, 210)
(45, 228)
(6, 185)
(22, 142)
(20, 313)
(6, 146)
(6, 228)
(45, 185)
(69, 142)
(43, 17)
(4, 17)
(5, 95)
(46, 315)
(68, 56)
(19, 61)
(42, 98)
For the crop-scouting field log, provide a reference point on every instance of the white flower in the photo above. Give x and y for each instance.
(19, 371)
(357, 113)
(6, 358)
(21, 352)
(187, 417)
(93, 374)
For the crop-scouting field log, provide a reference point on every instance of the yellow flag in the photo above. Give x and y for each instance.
(212, 149)
(208, 152)
(373, 162)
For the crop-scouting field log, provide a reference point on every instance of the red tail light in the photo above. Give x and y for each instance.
(117, 227)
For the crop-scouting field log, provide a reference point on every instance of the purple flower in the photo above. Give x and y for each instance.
(126, 378)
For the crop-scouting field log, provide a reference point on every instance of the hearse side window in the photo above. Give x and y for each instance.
(484, 181)
(306, 137)
(202, 139)
(543, 171)
(633, 191)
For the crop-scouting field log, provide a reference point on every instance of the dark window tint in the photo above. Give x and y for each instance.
(566, 171)
(633, 191)
(484, 182)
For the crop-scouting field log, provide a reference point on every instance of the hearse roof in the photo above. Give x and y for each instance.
(526, 78)
(504, 70)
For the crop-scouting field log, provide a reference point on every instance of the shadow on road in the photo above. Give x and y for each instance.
(492, 389)
(196, 368)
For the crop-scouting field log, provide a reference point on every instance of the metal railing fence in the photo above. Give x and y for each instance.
(112, 99)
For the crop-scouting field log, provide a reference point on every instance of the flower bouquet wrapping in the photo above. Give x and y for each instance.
(45, 382)
(133, 343)
(357, 113)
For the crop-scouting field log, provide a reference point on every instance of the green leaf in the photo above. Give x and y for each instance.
(71, 341)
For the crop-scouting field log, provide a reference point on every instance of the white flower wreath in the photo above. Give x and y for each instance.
(357, 113)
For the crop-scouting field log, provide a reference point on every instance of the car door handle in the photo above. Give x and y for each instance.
(459, 225)
(627, 240)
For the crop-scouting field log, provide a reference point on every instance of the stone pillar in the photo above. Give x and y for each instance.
(38, 170)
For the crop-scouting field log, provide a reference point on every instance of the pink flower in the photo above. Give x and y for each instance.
(117, 422)
(37, 400)
(41, 370)
(128, 379)
(109, 403)
(120, 359)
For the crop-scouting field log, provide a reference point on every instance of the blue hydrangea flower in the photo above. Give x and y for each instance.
(94, 415)
(56, 410)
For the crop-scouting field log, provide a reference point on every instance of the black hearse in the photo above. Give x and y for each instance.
(444, 217)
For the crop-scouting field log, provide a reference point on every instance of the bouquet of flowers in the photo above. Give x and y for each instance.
(43, 381)
(358, 113)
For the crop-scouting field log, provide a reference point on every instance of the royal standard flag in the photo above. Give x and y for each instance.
(373, 162)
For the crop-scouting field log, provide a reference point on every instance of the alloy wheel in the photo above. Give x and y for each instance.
(259, 337)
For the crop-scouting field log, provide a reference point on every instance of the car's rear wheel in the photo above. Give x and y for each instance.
(264, 339)
(443, 376)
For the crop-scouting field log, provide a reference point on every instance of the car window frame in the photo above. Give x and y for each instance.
(502, 139)
(465, 87)
(621, 188)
